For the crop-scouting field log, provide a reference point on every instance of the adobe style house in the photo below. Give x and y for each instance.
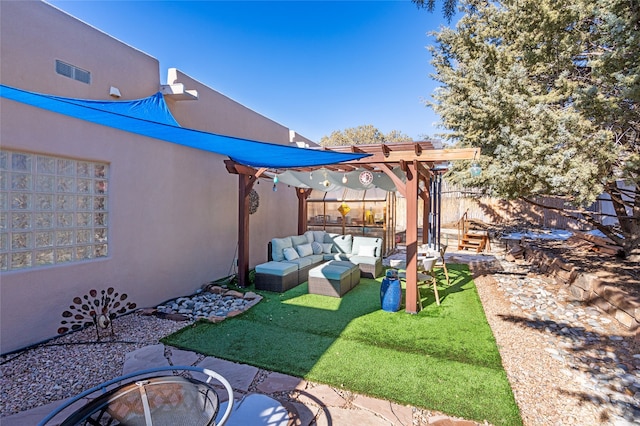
(84, 206)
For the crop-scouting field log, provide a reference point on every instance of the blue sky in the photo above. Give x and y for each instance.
(314, 67)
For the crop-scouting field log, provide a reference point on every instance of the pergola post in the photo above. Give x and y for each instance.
(411, 300)
(247, 176)
(245, 184)
(302, 195)
(426, 209)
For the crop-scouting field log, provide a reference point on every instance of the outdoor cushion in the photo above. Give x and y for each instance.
(327, 247)
(332, 270)
(337, 256)
(297, 240)
(319, 236)
(276, 268)
(309, 235)
(344, 263)
(300, 262)
(367, 260)
(315, 258)
(277, 248)
(290, 253)
(317, 247)
(343, 243)
(304, 250)
(367, 251)
(367, 241)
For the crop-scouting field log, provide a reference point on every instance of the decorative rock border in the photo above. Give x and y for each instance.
(214, 303)
(589, 287)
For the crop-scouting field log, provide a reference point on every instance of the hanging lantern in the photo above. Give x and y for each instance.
(344, 209)
(344, 178)
(475, 170)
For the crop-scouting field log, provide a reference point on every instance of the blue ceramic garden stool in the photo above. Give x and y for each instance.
(390, 294)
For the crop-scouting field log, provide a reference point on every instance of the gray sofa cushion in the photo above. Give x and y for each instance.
(309, 235)
(301, 262)
(277, 248)
(298, 240)
(319, 236)
(316, 258)
(276, 268)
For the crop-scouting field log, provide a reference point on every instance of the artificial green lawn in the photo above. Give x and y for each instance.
(444, 358)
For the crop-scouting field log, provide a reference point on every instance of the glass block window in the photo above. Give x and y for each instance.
(52, 210)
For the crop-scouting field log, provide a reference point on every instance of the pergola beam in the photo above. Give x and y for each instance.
(429, 156)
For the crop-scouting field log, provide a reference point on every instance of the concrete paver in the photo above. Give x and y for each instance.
(144, 358)
(240, 376)
(278, 382)
(181, 357)
(321, 395)
(395, 413)
(335, 416)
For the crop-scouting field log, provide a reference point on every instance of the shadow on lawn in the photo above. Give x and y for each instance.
(457, 282)
(598, 357)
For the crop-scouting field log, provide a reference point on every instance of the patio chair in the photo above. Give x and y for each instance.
(151, 399)
(427, 276)
(440, 263)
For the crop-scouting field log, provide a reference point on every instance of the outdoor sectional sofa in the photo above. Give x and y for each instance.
(291, 258)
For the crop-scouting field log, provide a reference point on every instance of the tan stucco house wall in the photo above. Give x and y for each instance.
(171, 210)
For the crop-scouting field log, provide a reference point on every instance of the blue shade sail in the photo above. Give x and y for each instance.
(151, 117)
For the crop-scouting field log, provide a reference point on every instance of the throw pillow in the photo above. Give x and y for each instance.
(369, 251)
(304, 250)
(317, 247)
(327, 247)
(290, 253)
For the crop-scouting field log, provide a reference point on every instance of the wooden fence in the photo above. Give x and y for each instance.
(457, 200)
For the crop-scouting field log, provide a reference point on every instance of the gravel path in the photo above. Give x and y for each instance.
(567, 364)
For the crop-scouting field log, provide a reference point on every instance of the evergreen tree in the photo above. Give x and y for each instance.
(448, 6)
(362, 135)
(549, 90)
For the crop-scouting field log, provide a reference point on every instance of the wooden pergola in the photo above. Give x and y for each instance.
(416, 160)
